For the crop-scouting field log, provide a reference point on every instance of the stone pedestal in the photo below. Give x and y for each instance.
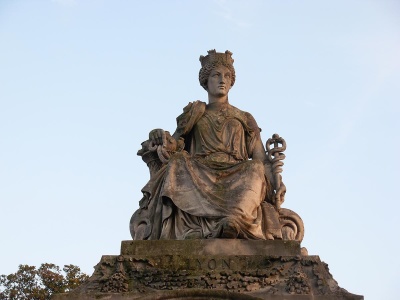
(210, 269)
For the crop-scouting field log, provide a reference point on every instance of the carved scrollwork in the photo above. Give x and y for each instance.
(292, 225)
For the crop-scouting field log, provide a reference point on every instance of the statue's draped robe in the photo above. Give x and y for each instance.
(213, 181)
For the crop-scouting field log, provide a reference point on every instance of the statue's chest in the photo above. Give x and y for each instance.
(218, 120)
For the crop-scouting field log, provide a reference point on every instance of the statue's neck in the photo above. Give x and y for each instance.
(214, 99)
(217, 105)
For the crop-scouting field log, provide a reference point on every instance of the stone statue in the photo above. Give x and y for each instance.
(212, 178)
(210, 223)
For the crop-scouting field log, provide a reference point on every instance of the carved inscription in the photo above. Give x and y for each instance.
(211, 264)
(233, 263)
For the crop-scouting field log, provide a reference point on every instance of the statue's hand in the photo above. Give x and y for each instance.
(157, 137)
(170, 144)
(280, 195)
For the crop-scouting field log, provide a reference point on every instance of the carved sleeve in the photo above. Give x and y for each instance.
(257, 151)
(255, 147)
(191, 114)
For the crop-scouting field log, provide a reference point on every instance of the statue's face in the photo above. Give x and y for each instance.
(219, 82)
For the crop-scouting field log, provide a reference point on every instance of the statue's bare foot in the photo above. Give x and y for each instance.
(269, 236)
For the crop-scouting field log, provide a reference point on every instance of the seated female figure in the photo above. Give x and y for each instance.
(215, 176)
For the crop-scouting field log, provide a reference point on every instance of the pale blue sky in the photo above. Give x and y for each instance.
(82, 82)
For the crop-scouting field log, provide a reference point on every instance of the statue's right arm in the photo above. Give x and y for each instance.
(185, 121)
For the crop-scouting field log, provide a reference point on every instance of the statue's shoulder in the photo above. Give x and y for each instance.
(195, 106)
(191, 114)
(245, 116)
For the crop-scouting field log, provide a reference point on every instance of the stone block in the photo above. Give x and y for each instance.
(210, 269)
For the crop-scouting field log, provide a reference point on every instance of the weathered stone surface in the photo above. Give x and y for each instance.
(212, 178)
(200, 274)
(211, 247)
(210, 224)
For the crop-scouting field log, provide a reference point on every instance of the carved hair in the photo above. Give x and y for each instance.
(212, 61)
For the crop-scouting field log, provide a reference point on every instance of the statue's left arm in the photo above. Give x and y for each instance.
(257, 151)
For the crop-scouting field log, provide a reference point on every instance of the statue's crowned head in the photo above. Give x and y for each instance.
(213, 60)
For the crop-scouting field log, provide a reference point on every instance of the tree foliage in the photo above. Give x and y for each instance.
(31, 283)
